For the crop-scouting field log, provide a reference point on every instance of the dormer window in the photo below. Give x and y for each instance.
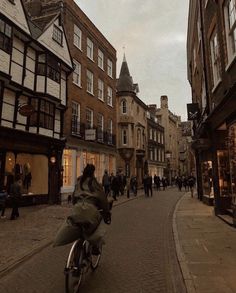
(57, 35)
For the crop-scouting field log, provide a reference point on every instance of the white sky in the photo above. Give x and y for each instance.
(153, 33)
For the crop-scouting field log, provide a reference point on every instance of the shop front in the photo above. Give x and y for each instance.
(74, 162)
(37, 160)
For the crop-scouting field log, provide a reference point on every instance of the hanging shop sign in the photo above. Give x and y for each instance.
(90, 134)
(193, 111)
(26, 110)
(201, 144)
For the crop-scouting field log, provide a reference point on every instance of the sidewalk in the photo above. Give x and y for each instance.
(206, 248)
(34, 230)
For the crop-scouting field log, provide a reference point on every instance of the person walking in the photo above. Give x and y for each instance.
(115, 187)
(106, 183)
(149, 185)
(191, 183)
(3, 199)
(134, 185)
(15, 196)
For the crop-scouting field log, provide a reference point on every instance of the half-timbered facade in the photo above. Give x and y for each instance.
(34, 66)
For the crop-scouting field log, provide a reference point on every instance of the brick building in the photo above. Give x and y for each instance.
(90, 119)
(156, 144)
(211, 54)
(172, 133)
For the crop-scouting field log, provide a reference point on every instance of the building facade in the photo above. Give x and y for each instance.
(156, 144)
(90, 119)
(34, 67)
(171, 124)
(132, 127)
(211, 55)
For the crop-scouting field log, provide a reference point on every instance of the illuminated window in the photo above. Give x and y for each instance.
(67, 166)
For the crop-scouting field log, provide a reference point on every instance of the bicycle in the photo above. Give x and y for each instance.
(80, 260)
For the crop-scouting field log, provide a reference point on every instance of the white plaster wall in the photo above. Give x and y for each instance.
(4, 62)
(16, 72)
(29, 80)
(15, 12)
(32, 129)
(40, 84)
(61, 51)
(56, 135)
(8, 106)
(20, 127)
(7, 124)
(46, 132)
(57, 126)
(53, 88)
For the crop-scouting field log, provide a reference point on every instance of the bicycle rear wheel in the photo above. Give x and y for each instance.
(73, 269)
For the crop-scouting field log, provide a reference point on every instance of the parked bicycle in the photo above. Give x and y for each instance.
(81, 258)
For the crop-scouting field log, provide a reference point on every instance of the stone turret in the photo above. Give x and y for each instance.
(164, 102)
(125, 81)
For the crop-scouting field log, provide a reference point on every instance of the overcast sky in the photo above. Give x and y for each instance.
(153, 33)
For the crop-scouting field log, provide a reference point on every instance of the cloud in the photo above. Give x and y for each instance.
(154, 35)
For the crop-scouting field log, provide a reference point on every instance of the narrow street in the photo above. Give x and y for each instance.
(139, 255)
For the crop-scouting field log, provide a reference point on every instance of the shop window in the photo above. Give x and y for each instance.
(67, 168)
(207, 179)
(232, 159)
(33, 170)
(224, 172)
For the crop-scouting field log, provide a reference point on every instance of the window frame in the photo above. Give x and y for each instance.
(110, 68)
(89, 122)
(124, 106)
(5, 36)
(100, 59)
(100, 90)
(77, 73)
(77, 36)
(109, 96)
(90, 50)
(57, 35)
(90, 88)
(215, 58)
(124, 136)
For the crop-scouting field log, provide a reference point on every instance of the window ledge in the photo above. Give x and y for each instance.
(101, 68)
(76, 84)
(101, 100)
(78, 48)
(231, 62)
(90, 59)
(92, 94)
(110, 105)
(216, 86)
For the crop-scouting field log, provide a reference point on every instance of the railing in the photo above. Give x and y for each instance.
(78, 129)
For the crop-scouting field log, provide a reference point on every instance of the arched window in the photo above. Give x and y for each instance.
(123, 106)
(124, 137)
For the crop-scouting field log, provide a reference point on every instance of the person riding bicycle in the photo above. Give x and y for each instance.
(88, 199)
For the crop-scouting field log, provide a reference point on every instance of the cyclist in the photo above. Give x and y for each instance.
(88, 198)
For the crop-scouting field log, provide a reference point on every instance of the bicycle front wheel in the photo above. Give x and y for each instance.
(95, 258)
(73, 269)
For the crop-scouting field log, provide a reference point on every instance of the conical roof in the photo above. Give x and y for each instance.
(125, 81)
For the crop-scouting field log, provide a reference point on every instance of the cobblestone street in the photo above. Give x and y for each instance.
(139, 255)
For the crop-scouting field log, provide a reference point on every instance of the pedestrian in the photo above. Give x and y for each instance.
(115, 187)
(145, 182)
(149, 185)
(191, 183)
(3, 199)
(15, 197)
(164, 183)
(134, 185)
(69, 199)
(106, 183)
(179, 183)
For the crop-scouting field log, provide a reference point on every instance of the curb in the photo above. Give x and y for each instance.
(188, 280)
(5, 270)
